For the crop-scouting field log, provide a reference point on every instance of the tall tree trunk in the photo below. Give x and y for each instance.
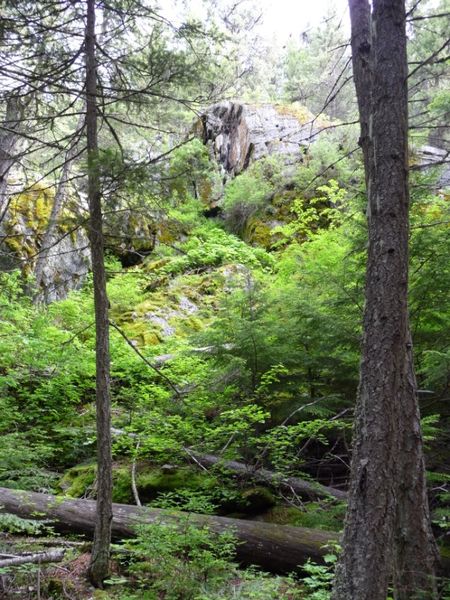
(10, 141)
(387, 531)
(99, 565)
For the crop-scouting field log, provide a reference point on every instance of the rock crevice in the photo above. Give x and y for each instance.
(239, 134)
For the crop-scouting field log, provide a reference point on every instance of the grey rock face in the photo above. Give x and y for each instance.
(68, 259)
(162, 317)
(239, 134)
(66, 268)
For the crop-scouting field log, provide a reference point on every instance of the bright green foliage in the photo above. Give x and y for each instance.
(209, 246)
(23, 461)
(285, 442)
(243, 329)
(320, 578)
(323, 514)
(256, 350)
(180, 561)
(245, 196)
(429, 84)
(322, 211)
(193, 174)
(13, 524)
(188, 562)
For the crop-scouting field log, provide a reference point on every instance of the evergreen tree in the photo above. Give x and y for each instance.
(388, 530)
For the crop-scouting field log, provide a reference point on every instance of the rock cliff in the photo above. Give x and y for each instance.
(239, 134)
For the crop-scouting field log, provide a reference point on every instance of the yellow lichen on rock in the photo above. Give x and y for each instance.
(302, 114)
(32, 207)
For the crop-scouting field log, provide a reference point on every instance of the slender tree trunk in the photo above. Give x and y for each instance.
(99, 565)
(10, 141)
(387, 531)
(50, 235)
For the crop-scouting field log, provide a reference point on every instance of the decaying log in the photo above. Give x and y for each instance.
(276, 548)
(301, 487)
(40, 557)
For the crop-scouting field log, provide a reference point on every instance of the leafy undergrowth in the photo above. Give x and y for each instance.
(162, 562)
(247, 351)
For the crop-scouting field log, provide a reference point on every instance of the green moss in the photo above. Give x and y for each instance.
(14, 244)
(27, 220)
(282, 203)
(101, 595)
(152, 482)
(33, 207)
(301, 113)
(143, 333)
(194, 324)
(258, 233)
(314, 515)
(444, 551)
(122, 491)
(168, 482)
(258, 498)
(167, 234)
(77, 481)
(205, 190)
(58, 587)
(155, 265)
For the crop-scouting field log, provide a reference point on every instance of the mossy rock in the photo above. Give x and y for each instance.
(258, 233)
(257, 499)
(33, 206)
(282, 203)
(186, 325)
(151, 483)
(58, 587)
(250, 501)
(142, 333)
(282, 515)
(302, 114)
(168, 233)
(122, 491)
(155, 265)
(78, 481)
(313, 515)
(27, 218)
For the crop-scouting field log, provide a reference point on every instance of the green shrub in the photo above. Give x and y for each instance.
(179, 561)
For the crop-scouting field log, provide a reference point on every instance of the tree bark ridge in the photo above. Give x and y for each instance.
(387, 532)
(99, 565)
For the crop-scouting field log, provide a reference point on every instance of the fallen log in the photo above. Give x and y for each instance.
(302, 487)
(40, 557)
(276, 548)
(299, 486)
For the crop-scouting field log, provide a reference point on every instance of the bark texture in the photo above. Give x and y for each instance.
(277, 548)
(40, 557)
(387, 532)
(99, 565)
(10, 142)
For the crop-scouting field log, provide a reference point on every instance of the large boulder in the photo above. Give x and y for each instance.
(239, 133)
(21, 233)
